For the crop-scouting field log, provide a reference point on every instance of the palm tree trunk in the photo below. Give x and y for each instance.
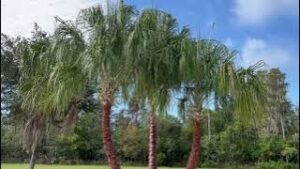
(106, 101)
(32, 160)
(152, 141)
(194, 155)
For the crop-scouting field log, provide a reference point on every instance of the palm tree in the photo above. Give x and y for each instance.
(104, 60)
(36, 124)
(154, 44)
(51, 79)
(207, 67)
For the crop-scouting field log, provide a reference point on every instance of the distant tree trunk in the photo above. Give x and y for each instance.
(195, 151)
(32, 160)
(106, 101)
(282, 127)
(208, 125)
(269, 124)
(152, 141)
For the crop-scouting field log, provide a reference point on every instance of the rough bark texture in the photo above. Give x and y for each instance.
(32, 160)
(152, 141)
(194, 155)
(106, 101)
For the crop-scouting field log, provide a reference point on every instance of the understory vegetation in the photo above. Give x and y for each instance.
(232, 143)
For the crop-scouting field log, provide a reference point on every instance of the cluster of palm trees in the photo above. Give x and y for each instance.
(145, 56)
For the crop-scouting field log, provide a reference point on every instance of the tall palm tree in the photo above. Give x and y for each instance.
(104, 60)
(154, 44)
(206, 67)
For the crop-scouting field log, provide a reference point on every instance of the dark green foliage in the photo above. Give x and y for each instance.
(11, 147)
(275, 148)
(10, 73)
(132, 144)
(170, 143)
(83, 143)
(237, 144)
(275, 165)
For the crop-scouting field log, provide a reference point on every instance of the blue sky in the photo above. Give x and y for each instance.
(257, 29)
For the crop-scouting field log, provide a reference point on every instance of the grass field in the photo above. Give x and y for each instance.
(40, 166)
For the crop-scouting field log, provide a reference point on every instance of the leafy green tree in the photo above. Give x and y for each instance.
(10, 73)
(278, 106)
(83, 143)
(170, 142)
(133, 143)
(239, 142)
(88, 134)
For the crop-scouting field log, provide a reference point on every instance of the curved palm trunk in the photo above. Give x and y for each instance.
(152, 141)
(106, 101)
(194, 155)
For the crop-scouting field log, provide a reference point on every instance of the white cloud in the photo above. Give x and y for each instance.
(229, 42)
(255, 50)
(18, 16)
(250, 12)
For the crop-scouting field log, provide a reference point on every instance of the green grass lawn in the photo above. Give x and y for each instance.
(41, 166)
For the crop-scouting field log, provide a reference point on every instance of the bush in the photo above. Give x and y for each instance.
(211, 151)
(270, 148)
(236, 144)
(275, 148)
(275, 165)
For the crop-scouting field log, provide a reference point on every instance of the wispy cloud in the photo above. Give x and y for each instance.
(18, 16)
(229, 42)
(252, 12)
(255, 50)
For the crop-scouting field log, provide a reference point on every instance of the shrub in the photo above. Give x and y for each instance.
(236, 144)
(275, 148)
(275, 165)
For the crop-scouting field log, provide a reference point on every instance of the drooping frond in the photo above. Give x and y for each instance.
(107, 35)
(207, 67)
(249, 94)
(154, 47)
(51, 70)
